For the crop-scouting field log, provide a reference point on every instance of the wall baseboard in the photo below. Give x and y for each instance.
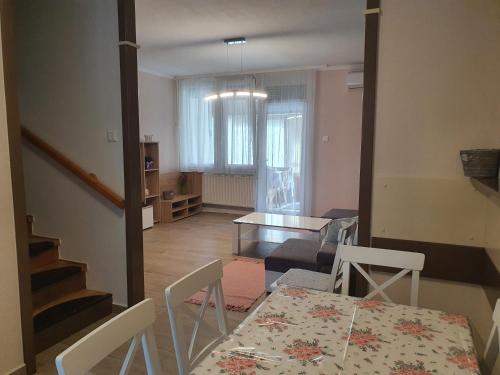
(221, 209)
(460, 263)
(19, 370)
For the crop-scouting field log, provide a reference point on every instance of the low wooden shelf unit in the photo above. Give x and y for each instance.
(180, 207)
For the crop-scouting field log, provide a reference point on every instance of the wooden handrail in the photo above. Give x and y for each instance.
(89, 178)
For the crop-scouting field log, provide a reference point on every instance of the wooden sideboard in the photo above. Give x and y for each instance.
(182, 205)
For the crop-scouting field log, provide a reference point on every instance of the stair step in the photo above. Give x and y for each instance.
(55, 321)
(55, 280)
(36, 248)
(42, 251)
(68, 299)
(57, 265)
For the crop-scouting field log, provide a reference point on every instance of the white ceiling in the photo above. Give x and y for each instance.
(184, 37)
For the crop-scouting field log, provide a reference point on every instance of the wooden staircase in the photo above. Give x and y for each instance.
(62, 305)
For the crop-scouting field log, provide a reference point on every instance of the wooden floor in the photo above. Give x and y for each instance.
(170, 252)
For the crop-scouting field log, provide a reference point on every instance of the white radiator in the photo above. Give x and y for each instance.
(229, 190)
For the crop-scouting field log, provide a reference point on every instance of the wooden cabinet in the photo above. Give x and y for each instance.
(180, 207)
(151, 177)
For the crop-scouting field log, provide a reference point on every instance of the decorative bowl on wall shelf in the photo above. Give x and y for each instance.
(168, 195)
(480, 163)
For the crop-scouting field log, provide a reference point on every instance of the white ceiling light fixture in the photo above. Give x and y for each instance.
(233, 41)
(256, 94)
(226, 94)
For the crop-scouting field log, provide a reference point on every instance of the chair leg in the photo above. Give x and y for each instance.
(151, 353)
(129, 357)
(345, 278)
(415, 276)
(179, 345)
(220, 308)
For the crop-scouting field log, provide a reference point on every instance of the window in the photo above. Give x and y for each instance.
(238, 126)
(218, 135)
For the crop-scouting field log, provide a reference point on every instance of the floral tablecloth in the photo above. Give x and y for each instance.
(303, 331)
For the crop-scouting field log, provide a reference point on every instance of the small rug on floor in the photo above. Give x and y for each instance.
(243, 283)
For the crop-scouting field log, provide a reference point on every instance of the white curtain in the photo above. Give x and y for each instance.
(216, 136)
(285, 128)
(196, 125)
(270, 138)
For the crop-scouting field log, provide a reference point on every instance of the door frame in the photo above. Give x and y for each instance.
(131, 151)
(17, 176)
(128, 62)
(372, 15)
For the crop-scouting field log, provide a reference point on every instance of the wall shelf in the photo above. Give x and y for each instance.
(488, 187)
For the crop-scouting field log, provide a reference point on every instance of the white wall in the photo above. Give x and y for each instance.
(437, 94)
(11, 354)
(157, 115)
(336, 162)
(69, 87)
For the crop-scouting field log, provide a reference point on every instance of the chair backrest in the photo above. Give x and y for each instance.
(135, 323)
(348, 255)
(208, 276)
(493, 345)
(346, 235)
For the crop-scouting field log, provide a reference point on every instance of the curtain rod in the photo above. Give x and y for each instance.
(353, 67)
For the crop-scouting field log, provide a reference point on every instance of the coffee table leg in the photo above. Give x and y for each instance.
(236, 239)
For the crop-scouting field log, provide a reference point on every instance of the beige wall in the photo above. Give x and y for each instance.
(157, 108)
(336, 162)
(11, 354)
(492, 236)
(437, 94)
(71, 97)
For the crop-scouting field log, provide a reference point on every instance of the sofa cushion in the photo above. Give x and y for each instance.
(332, 234)
(293, 253)
(334, 228)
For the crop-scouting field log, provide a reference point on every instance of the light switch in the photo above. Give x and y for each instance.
(112, 135)
(326, 139)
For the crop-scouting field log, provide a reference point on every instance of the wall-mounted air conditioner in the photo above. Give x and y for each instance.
(354, 80)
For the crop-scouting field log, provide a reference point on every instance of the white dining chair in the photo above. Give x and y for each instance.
(135, 324)
(492, 350)
(348, 255)
(300, 278)
(208, 276)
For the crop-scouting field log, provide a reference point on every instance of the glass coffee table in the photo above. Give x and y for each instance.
(276, 228)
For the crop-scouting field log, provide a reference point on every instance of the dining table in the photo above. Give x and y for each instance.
(305, 331)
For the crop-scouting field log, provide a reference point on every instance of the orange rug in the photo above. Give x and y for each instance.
(243, 283)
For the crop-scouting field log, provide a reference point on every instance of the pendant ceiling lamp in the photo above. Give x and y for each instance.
(256, 94)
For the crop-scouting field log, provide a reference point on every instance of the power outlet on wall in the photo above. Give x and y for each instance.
(112, 135)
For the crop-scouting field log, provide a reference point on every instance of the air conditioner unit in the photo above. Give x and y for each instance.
(354, 80)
